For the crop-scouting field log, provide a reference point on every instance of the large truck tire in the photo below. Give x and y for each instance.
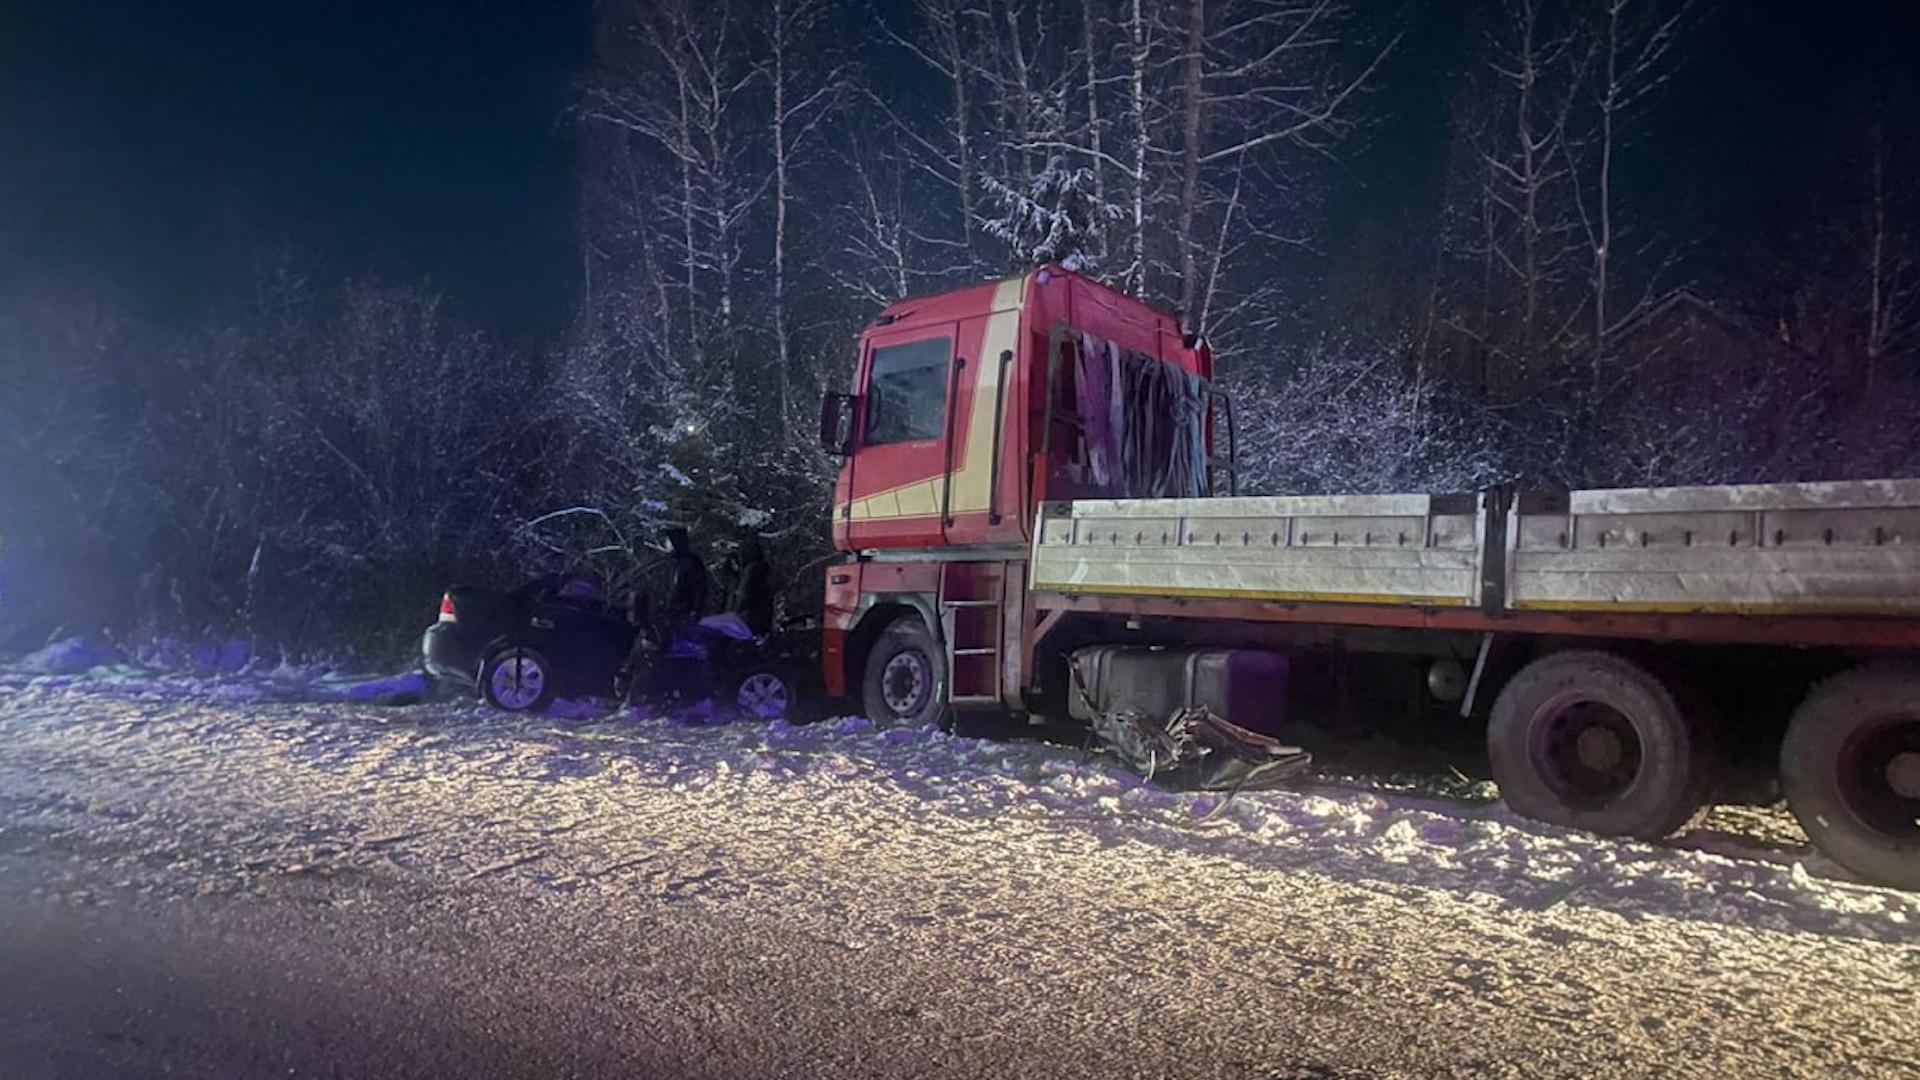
(905, 677)
(1850, 764)
(1593, 741)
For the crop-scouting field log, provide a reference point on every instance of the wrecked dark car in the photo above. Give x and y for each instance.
(555, 638)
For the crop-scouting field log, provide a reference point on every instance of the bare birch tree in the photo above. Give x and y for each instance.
(1140, 138)
(1634, 42)
(1892, 299)
(945, 34)
(680, 76)
(1529, 85)
(1263, 85)
(803, 96)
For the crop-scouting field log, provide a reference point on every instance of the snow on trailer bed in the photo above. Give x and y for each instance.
(1318, 927)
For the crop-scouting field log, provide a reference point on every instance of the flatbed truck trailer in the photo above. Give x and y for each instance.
(1037, 513)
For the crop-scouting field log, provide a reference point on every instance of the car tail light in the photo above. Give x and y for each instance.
(446, 609)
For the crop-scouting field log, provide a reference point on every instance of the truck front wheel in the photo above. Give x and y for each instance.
(905, 679)
(1850, 765)
(1593, 741)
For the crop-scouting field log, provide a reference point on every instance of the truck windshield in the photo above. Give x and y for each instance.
(907, 391)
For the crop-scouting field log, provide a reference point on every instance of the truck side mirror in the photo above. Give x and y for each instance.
(836, 423)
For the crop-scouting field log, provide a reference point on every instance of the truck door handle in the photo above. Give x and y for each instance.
(953, 410)
(542, 624)
(999, 406)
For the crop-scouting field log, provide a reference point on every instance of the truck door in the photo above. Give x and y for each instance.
(899, 465)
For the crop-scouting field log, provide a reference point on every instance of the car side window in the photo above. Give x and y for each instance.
(907, 391)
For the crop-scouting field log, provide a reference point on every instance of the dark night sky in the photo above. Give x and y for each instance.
(1764, 90)
(149, 145)
(145, 144)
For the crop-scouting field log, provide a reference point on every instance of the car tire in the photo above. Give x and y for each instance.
(1593, 741)
(1850, 766)
(517, 679)
(905, 677)
(765, 693)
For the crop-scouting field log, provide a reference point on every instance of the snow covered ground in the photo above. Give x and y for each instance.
(1480, 937)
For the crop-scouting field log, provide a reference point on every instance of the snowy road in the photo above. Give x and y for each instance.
(224, 884)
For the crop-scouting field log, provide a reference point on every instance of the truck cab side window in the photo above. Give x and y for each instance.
(907, 391)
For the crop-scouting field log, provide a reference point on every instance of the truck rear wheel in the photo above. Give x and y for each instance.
(1594, 741)
(905, 679)
(1850, 765)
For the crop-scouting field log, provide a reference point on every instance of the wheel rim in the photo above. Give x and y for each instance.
(906, 682)
(1878, 774)
(518, 680)
(763, 695)
(1587, 751)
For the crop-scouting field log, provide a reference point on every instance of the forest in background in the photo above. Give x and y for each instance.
(309, 463)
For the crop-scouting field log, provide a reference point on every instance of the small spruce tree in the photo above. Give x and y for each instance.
(1057, 218)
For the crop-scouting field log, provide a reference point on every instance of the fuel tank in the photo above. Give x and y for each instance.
(1245, 686)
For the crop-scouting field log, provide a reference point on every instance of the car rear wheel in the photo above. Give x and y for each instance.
(517, 679)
